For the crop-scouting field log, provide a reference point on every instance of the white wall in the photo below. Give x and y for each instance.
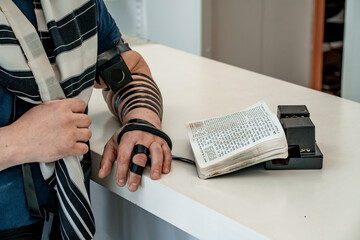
(272, 37)
(237, 27)
(350, 87)
(128, 15)
(175, 23)
(287, 40)
(170, 22)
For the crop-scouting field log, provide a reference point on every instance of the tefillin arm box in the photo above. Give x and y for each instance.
(300, 134)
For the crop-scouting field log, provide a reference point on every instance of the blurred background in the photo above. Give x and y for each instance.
(312, 43)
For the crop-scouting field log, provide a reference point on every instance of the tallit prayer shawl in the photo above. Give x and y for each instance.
(66, 70)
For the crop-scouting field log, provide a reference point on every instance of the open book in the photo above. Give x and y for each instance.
(232, 142)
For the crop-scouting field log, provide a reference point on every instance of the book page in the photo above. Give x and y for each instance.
(216, 139)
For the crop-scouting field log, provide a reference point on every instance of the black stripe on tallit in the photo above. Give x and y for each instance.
(37, 4)
(7, 36)
(48, 44)
(68, 34)
(21, 83)
(72, 194)
(73, 86)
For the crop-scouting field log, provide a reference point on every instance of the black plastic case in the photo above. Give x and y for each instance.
(302, 161)
(292, 111)
(303, 151)
(300, 132)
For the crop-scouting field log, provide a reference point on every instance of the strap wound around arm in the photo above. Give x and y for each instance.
(145, 128)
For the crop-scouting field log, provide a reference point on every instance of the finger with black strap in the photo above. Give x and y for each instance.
(137, 164)
(140, 159)
(139, 149)
(137, 169)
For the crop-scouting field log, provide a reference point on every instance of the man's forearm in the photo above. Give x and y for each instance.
(139, 99)
(11, 153)
(139, 102)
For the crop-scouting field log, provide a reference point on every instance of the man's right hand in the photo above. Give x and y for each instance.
(46, 133)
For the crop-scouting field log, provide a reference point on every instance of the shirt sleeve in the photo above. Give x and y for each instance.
(108, 32)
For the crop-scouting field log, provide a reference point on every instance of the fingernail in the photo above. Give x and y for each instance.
(121, 182)
(167, 170)
(156, 174)
(133, 186)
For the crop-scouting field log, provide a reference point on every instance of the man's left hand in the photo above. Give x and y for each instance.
(160, 155)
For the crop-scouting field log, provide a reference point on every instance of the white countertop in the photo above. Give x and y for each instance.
(252, 203)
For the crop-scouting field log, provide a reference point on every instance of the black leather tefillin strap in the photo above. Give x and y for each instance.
(119, 98)
(152, 83)
(142, 127)
(138, 149)
(144, 75)
(140, 97)
(143, 106)
(123, 47)
(137, 120)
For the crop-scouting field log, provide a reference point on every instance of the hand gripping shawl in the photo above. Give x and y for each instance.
(36, 76)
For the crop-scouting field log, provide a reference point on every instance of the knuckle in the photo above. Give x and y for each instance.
(70, 140)
(168, 158)
(68, 119)
(156, 165)
(166, 148)
(129, 136)
(68, 145)
(167, 162)
(122, 160)
(139, 159)
(120, 173)
(107, 145)
(63, 104)
(156, 147)
(81, 103)
(89, 120)
(134, 178)
(169, 154)
(89, 134)
(71, 135)
(82, 149)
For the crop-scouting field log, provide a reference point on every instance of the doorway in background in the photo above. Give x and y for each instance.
(333, 46)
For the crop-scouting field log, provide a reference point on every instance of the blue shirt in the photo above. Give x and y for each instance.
(13, 207)
(108, 32)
